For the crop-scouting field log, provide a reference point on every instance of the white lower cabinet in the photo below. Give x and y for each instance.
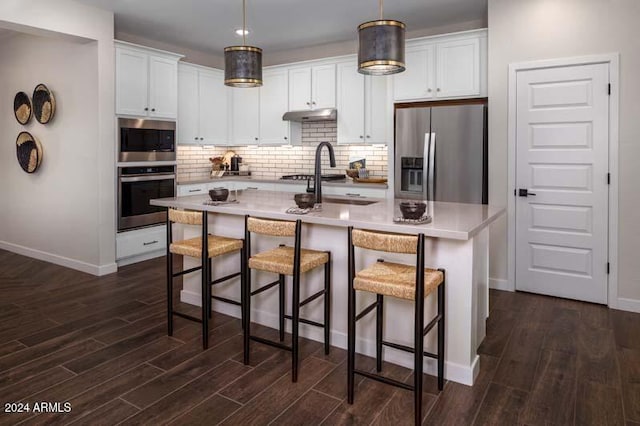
(193, 189)
(141, 242)
(355, 191)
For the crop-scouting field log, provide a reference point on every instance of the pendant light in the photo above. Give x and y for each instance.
(243, 64)
(381, 46)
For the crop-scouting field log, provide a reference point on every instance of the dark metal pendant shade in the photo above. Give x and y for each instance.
(243, 66)
(381, 47)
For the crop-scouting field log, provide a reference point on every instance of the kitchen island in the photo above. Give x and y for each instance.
(457, 240)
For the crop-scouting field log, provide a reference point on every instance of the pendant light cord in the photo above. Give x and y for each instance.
(244, 22)
(381, 8)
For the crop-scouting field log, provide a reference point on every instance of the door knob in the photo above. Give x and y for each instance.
(523, 192)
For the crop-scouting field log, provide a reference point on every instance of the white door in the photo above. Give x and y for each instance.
(163, 87)
(417, 81)
(274, 102)
(132, 82)
(246, 115)
(350, 124)
(323, 92)
(562, 157)
(299, 89)
(458, 68)
(188, 111)
(214, 108)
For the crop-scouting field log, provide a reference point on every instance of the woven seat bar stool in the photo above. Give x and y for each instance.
(400, 281)
(284, 260)
(205, 248)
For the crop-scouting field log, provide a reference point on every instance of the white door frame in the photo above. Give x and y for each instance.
(613, 60)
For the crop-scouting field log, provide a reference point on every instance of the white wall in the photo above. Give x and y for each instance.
(528, 30)
(65, 213)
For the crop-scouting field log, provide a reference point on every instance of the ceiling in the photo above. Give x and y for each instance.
(275, 25)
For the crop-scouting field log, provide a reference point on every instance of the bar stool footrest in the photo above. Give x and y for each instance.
(224, 299)
(225, 278)
(186, 316)
(188, 271)
(265, 287)
(306, 321)
(383, 379)
(271, 343)
(408, 349)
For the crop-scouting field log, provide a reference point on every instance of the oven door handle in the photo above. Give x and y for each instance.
(146, 178)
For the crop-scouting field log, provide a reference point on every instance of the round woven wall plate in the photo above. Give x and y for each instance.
(44, 104)
(29, 152)
(22, 108)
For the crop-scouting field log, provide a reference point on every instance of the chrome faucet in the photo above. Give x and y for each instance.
(318, 172)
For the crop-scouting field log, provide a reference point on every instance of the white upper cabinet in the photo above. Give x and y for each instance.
(312, 87)
(417, 81)
(146, 82)
(188, 107)
(202, 106)
(163, 87)
(214, 107)
(350, 103)
(443, 67)
(274, 102)
(245, 116)
(362, 104)
(458, 71)
(132, 82)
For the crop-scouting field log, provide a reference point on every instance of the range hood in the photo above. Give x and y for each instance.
(322, 114)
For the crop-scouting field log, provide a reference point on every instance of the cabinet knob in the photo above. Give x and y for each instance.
(313, 103)
(196, 138)
(201, 139)
(146, 109)
(368, 136)
(438, 89)
(308, 103)
(429, 90)
(256, 138)
(153, 109)
(285, 138)
(361, 137)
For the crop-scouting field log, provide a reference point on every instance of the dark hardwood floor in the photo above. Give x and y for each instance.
(101, 344)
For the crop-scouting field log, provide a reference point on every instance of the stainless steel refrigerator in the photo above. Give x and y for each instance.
(441, 153)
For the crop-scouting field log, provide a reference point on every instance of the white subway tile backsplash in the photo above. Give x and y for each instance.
(274, 161)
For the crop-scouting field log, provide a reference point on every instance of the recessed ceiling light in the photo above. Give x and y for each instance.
(242, 32)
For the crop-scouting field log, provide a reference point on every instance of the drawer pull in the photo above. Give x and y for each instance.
(150, 243)
(195, 190)
(353, 195)
(252, 187)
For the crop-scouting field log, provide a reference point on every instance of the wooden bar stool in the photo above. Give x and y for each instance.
(206, 248)
(284, 261)
(401, 281)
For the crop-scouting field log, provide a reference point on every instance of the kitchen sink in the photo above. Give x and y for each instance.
(352, 201)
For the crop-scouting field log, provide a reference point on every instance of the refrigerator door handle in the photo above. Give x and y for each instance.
(431, 186)
(425, 166)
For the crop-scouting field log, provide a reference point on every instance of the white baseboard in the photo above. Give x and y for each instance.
(631, 305)
(78, 265)
(141, 258)
(500, 284)
(452, 371)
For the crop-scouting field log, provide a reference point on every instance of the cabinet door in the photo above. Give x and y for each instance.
(132, 82)
(417, 81)
(274, 102)
(163, 87)
(245, 115)
(351, 100)
(458, 68)
(188, 111)
(214, 108)
(323, 92)
(376, 109)
(299, 89)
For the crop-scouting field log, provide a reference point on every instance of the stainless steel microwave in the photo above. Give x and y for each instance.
(146, 140)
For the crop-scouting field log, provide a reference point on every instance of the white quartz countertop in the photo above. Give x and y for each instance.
(450, 220)
(346, 182)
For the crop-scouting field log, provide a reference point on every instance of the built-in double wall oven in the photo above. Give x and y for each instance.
(146, 170)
